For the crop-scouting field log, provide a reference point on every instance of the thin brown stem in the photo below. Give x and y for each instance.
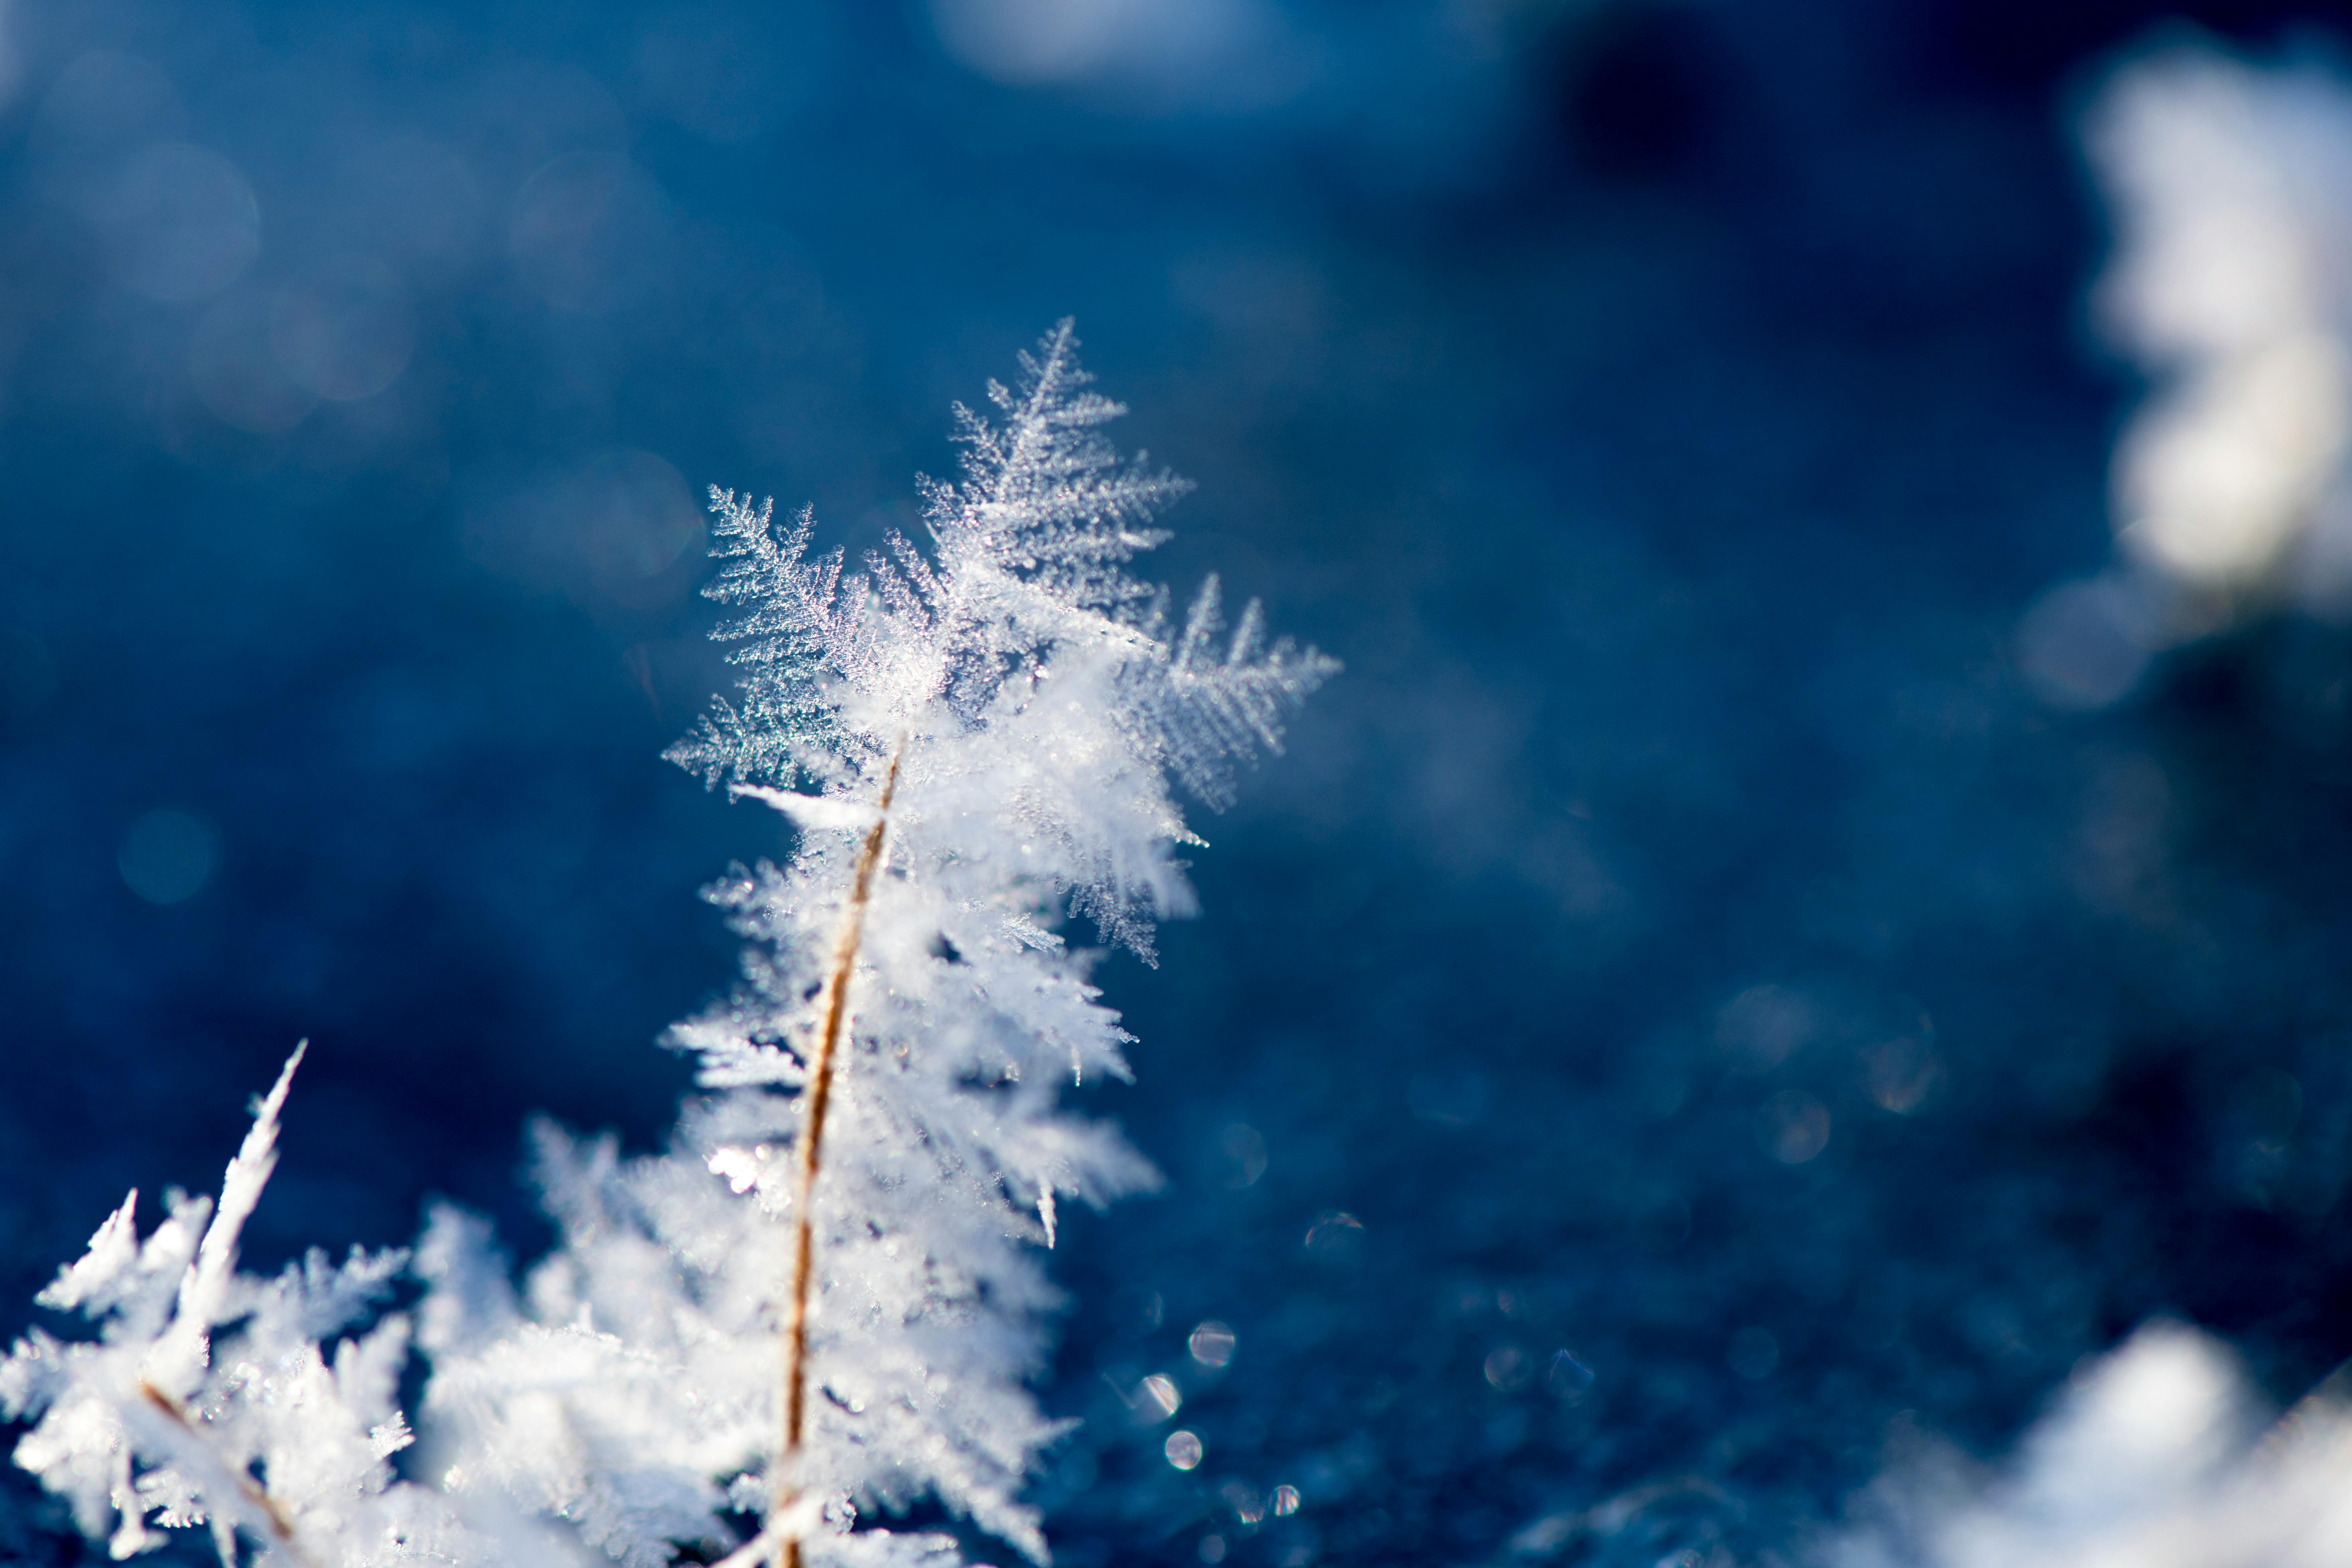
(252, 1490)
(818, 1097)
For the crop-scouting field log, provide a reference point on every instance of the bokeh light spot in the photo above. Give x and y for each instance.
(589, 232)
(1022, 42)
(1764, 1025)
(168, 855)
(1902, 1074)
(177, 222)
(236, 375)
(607, 531)
(1157, 1398)
(346, 336)
(1753, 1352)
(1508, 1368)
(1794, 1126)
(2084, 644)
(1245, 1148)
(1336, 1235)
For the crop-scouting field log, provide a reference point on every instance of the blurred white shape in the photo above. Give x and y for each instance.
(2161, 1413)
(168, 855)
(2153, 1458)
(236, 375)
(2215, 479)
(739, 1168)
(2230, 188)
(344, 336)
(177, 222)
(588, 232)
(1222, 55)
(2203, 157)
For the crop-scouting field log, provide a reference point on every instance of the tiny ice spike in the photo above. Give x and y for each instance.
(210, 1398)
(975, 741)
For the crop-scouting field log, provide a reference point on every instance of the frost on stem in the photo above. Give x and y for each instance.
(1029, 701)
(210, 1396)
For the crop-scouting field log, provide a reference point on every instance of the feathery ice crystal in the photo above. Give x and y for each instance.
(972, 742)
(209, 1398)
(826, 1298)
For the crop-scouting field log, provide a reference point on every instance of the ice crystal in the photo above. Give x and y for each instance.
(974, 741)
(212, 1398)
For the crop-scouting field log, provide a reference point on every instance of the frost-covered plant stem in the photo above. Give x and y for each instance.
(1027, 708)
(253, 1491)
(978, 743)
(210, 1398)
(820, 1097)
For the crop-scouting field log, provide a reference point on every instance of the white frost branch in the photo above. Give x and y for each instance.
(976, 741)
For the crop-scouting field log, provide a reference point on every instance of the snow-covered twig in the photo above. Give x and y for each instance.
(976, 741)
(207, 1398)
(812, 1143)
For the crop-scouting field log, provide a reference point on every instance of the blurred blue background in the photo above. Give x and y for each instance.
(1684, 1020)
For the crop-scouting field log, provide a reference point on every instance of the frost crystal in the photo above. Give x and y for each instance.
(211, 1397)
(826, 1300)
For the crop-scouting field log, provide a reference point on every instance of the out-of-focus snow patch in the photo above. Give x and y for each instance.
(2232, 193)
(2229, 184)
(2155, 1457)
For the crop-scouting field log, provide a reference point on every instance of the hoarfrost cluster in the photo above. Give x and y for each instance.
(825, 1301)
(212, 1398)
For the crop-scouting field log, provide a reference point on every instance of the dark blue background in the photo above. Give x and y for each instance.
(1666, 410)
